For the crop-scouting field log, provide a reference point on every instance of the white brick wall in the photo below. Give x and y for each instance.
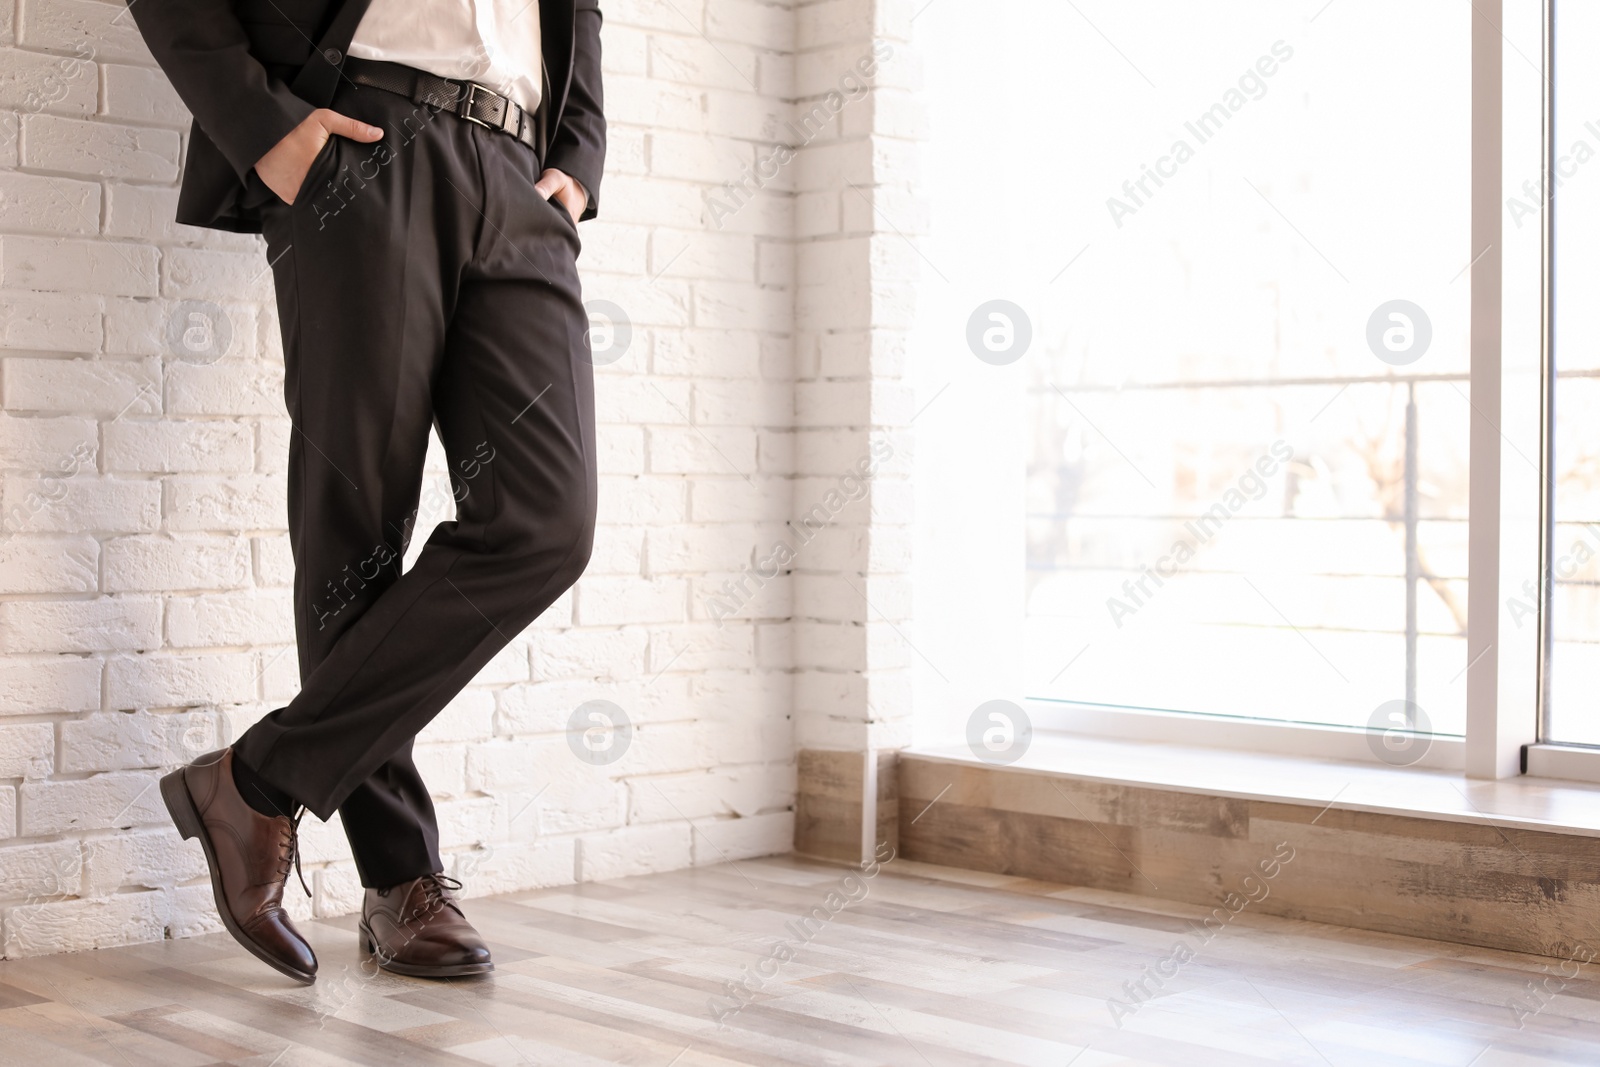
(855, 284)
(144, 569)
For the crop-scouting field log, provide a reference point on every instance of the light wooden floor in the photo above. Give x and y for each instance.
(931, 967)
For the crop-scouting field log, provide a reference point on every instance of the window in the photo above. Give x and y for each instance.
(1248, 479)
(1247, 349)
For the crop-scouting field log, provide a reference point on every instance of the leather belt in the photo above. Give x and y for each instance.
(464, 99)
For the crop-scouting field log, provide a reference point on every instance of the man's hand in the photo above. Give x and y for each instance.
(284, 167)
(564, 188)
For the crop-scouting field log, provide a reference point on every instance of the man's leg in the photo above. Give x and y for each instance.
(512, 392)
(361, 299)
(388, 818)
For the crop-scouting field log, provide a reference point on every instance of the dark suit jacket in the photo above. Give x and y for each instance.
(252, 70)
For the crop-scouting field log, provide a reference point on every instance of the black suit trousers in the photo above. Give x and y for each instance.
(421, 282)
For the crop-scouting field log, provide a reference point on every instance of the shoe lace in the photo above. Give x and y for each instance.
(435, 892)
(290, 852)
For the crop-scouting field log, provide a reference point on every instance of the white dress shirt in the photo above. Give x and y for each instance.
(492, 42)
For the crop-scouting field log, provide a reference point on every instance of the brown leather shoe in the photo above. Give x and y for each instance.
(417, 928)
(249, 855)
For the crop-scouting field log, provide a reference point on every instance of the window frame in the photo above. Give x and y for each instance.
(1544, 757)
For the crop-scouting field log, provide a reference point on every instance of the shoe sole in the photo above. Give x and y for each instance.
(411, 970)
(186, 817)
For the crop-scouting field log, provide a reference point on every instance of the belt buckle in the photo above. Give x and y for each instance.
(473, 89)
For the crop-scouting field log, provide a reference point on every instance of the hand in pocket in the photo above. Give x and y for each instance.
(562, 190)
(285, 166)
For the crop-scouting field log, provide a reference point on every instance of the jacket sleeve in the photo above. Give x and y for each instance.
(578, 146)
(202, 48)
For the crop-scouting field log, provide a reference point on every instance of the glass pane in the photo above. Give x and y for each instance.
(1248, 393)
(1572, 697)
